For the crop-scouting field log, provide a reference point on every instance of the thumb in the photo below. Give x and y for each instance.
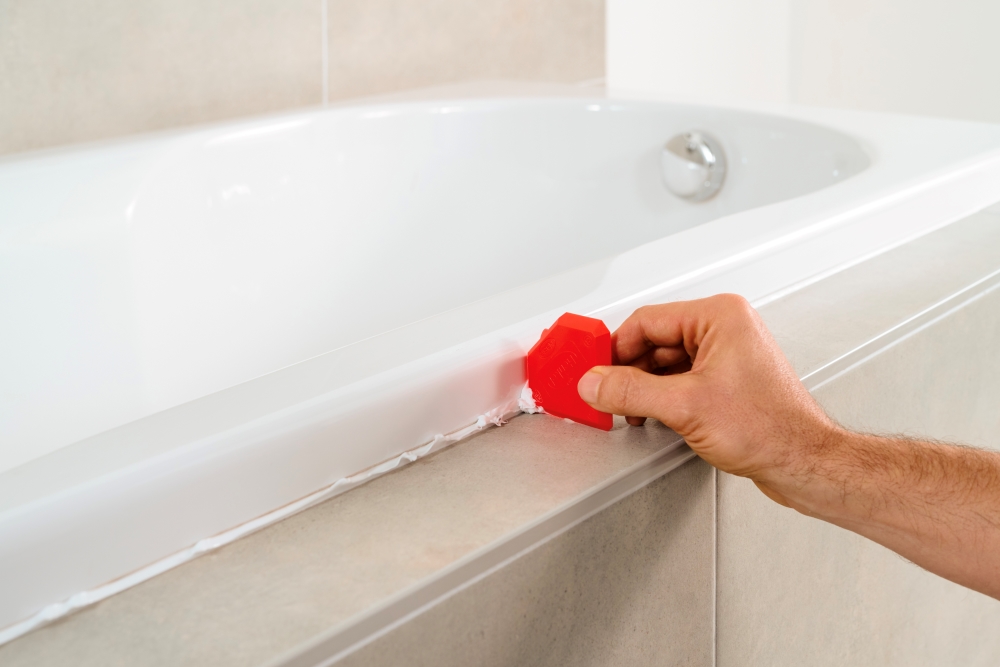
(626, 390)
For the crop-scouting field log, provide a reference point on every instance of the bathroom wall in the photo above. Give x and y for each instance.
(924, 57)
(94, 69)
(714, 50)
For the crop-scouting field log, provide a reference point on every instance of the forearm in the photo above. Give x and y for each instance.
(710, 370)
(937, 505)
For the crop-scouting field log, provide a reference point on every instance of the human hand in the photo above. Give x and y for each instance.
(710, 370)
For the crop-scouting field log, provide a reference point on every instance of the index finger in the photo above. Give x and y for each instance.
(680, 324)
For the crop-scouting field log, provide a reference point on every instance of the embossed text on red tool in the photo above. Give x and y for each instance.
(567, 350)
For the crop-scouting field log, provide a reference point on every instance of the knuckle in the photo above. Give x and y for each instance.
(643, 312)
(685, 407)
(734, 302)
(682, 413)
(736, 308)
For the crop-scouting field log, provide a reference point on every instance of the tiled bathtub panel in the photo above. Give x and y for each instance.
(943, 382)
(823, 321)
(796, 591)
(275, 590)
(630, 586)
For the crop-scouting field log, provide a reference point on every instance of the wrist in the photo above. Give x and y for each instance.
(810, 475)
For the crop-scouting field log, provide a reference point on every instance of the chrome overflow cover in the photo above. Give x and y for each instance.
(693, 165)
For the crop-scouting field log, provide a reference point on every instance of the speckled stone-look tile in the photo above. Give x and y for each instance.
(942, 383)
(93, 69)
(265, 594)
(378, 46)
(634, 583)
(629, 586)
(795, 591)
(817, 324)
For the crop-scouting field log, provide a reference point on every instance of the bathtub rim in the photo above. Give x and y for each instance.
(955, 181)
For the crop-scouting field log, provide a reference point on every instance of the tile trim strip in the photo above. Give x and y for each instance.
(848, 361)
(405, 605)
(362, 630)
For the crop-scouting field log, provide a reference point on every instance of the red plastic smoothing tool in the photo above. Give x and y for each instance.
(567, 350)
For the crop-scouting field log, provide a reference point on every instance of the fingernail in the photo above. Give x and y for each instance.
(588, 386)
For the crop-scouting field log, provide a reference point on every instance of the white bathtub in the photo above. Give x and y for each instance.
(200, 328)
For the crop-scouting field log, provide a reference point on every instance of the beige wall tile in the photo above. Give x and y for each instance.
(629, 586)
(378, 46)
(94, 69)
(90, 69)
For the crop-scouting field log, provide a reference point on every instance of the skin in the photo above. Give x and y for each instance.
(710, 370)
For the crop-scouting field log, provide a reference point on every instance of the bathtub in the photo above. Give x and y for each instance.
(205, 331)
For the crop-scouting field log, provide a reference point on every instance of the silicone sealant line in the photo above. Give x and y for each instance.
(496, 417)
(384, 617)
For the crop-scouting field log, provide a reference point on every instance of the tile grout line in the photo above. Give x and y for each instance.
(715, 569)
(325, 47)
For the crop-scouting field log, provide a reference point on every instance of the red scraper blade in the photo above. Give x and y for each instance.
(567, 350)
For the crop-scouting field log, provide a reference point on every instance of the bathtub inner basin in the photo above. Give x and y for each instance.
(145, 274)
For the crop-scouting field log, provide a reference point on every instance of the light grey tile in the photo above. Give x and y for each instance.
(271, 591)
(942, 382)
(825, 320)
(629, 586)
(80, 71)
(796, 591)
(379, 46)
